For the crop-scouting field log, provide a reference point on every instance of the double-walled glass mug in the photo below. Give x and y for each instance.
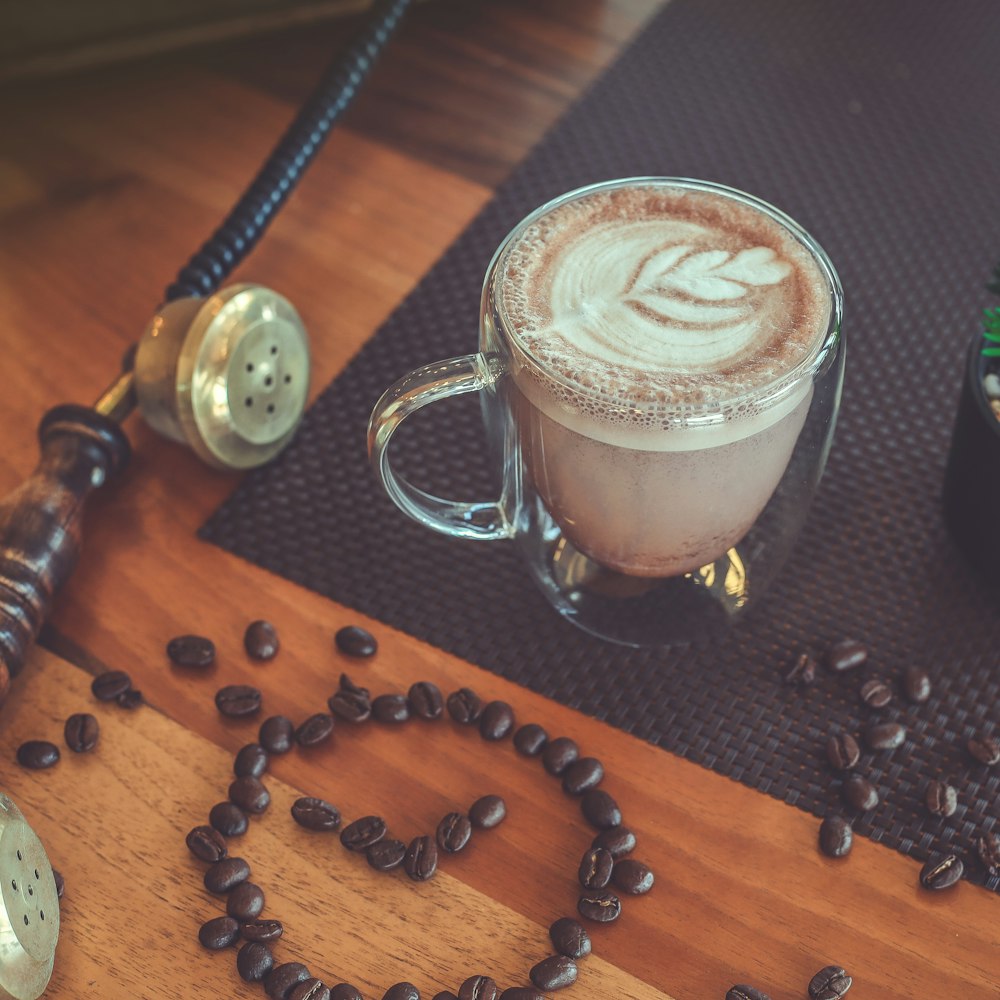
(659, 368)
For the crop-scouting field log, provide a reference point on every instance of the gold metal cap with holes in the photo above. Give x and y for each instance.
(228, 375)
(29, 918)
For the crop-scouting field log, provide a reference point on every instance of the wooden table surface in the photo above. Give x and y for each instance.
(108, 180)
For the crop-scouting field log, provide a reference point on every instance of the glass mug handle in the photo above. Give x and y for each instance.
(483, 520)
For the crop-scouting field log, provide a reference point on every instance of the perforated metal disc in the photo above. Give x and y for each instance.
(29, 918)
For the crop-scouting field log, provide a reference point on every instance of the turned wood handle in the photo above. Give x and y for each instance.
(40, 523)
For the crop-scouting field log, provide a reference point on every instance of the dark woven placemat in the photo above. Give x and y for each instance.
(872, 124)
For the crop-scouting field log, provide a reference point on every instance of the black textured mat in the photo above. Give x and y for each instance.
(873, 124)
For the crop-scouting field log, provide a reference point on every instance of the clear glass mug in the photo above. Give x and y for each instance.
(660, 536)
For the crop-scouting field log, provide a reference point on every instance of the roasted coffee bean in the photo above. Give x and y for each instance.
(497, 721)
(582, 775)
(941, 799)
(345, 991)
(478, 988)
(315, 814)
(225, 874)
(488, 812)
(465, 706)
(315, 730)
(362, 833)
(601, 906)
(352, 640)
(219, 933)
(206, 844)
(280, 981)
(245, 901)
(38, 754)
(984, 750)
(521, 993)
(391, 708)
(262, 930)
(569, 938)
(60, 883)
(988, 852)
(110, 684)
(802, 672)
(530, 740)
(445, 995)
(277, 734)
(619, 840)
(129, 699)
(884, 735)
(251, 761)
(860, 793)
(842, 751)
(847, 654)
(453, 832)
(237, 700)
(559, 754)
(595, 868)
(740, 992)
(386, 854)
(254, 961)
(426, 700)
(421, 859)
(261, 640)
(402, 991)
(351, 703)
(346, 684)
(916, 684)
(633, 877)
(191, 651)
(835, 836)
(830, 983)
(600, 810)
(81, 732)
(941, 871)
(875, 693)
(250, 795)
(554, 973)
(310, 989)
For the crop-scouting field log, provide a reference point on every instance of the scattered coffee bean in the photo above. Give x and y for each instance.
(603, 907)
(60, 883)
(362, 833)
(835, 836)
(633, 877)
(129, 699)
(453, 832)
(315, 814)
(875, 693)
(842, 751)
(941, 871)
(600, 809)
(386, 854)
(219, 933)
(277, 734)
(845, 655)
(245, 901)
(391, 708)
(554, 973)
(402, 991)
(802, 673)
(250, 795)
(110, 684)
(261, 640)
(988, 852)
(916, 684)
(225, 874)
(206, 844)
(619, 840)
(81, 732)
(941, 799)
(191, 651)
(984, 750)
(559, 754)
(569, 938)
(351, 703)
(38, 754)
(884, 735)
(421, 859)
(595, 868)
(310, 989)
(251, 761)
(254, 961)
(426, 700)
(740, 992)
(229, 819)
(859, 793)
(521, 993)
(830, 983)
(497, 721)
(262, 930)
(465, 706)
(478, 988)
(582, 775)
(315, 730)
(530, 740)
(237, 700)
(445, 995)
(280, 981)
(345, 991)
(488, 812)
(352, 640)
